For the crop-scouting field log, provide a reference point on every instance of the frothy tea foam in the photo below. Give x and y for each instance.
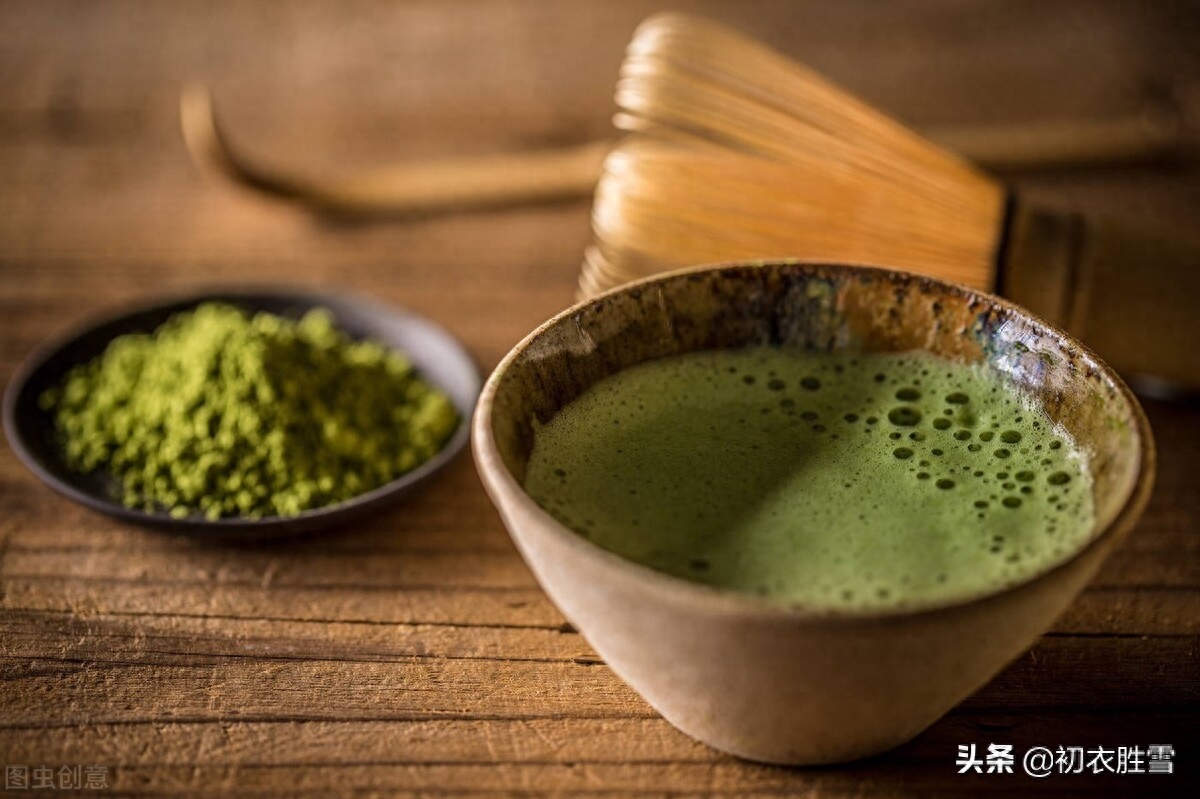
(851, 481)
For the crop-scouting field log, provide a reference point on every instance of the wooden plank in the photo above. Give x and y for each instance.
(1124, 611)
(1073, 671)
(590, 740)
(453, 749)
(520, 607)
(144, 683)
(415, 568)
(412, 569)
(33, 635)
(1132, 611)
(125, 687)
(722, 778)
(297, 742)
(39, 634)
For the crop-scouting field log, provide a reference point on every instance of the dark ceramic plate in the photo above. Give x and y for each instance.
(434, 352)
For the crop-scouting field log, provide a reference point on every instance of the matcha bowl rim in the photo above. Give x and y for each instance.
(356, 314)
(505, 489)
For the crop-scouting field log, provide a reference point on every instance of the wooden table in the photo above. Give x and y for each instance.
(413, 653)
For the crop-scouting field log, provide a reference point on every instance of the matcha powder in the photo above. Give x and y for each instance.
(222, 414)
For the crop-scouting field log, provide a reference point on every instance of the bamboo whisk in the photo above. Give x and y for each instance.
(735, 151)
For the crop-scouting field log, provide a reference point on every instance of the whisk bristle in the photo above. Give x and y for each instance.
(734, 151)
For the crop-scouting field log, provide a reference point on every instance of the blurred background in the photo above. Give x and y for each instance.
(95, 171)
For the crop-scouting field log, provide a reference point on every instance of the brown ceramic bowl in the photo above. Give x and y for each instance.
(756, 678)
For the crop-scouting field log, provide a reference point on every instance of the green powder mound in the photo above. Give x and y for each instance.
(223, 414)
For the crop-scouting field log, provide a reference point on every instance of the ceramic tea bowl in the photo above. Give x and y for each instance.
(763, 680)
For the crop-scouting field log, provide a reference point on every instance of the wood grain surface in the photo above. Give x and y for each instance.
(413, 654)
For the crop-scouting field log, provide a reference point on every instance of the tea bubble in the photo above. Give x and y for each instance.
(904, 416)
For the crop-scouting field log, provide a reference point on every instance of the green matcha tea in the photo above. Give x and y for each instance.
(852, 481)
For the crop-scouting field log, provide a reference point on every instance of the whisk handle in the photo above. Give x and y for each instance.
(1132, 296)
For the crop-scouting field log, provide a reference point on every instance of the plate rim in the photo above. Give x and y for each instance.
(238, 527)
